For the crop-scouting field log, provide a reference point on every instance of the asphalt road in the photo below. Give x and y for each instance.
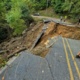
(59, 64)
(62, 61)
(55, 20)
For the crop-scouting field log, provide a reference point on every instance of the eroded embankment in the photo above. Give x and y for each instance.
(55, 30)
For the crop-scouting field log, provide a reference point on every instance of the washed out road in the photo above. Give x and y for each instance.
(59, 64)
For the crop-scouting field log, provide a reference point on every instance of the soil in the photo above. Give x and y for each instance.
(52, 31)
(17, 44)
(60, 30)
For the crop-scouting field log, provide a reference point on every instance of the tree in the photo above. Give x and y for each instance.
(3, 23)
(35, 5)
(16, 17)
(67, 7)
(2, 11)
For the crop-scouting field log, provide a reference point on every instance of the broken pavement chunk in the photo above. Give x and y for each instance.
(46, 21)
(50, 42)
(78, 55)
(3, 78)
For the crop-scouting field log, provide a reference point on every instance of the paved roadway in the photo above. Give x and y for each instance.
(59, 64)
(62, 61)
(55, 20)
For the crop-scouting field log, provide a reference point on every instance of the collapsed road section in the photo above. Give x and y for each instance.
(58, 64)
(18, 44)
(40, 35)
(49, 31)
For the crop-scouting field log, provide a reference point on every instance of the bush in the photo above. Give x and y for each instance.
(5, 32)
(18, 17)
(67, 7)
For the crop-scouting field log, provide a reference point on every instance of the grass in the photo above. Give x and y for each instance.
(37, 19)
(48, 12)
(2, 61)
(51, 13)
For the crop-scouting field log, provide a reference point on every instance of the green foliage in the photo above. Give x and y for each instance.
(3, 33)
(16, 17)
(67, 7)
(1, 6)
(2, 61)
(57, 5)
(16, 13)
(13, 18)
(2, 11)
(35, 5)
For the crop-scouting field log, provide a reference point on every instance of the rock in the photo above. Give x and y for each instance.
(2, 51)
(78, 55)
(3, 78)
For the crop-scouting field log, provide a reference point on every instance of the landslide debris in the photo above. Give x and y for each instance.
(52, 31)
(17, 44)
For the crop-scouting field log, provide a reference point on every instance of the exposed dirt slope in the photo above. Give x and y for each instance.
(64, 31)
(55, 30)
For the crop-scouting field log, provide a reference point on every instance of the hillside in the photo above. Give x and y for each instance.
(15, 45)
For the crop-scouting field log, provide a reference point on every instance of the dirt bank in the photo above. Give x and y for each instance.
(55, 30)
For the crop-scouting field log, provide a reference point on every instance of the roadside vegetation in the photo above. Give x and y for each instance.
(69, 8)
(14, 18)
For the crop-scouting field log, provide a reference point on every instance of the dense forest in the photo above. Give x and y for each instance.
(15, 14)
(65, 7)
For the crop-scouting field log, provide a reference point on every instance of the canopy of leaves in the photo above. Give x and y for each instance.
(35, 5)
(15, 14)
(67, 7)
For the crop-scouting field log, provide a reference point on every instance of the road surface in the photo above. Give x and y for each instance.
(59, 64)
(55, 20)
